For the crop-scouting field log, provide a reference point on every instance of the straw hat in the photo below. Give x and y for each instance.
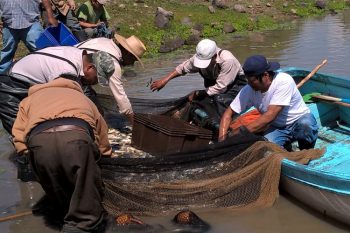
(133, 44)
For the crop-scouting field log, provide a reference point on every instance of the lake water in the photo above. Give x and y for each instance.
(306, 45)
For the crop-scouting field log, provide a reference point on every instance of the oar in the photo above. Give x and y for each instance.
(331, 99)
(312, 73)
(14, 216)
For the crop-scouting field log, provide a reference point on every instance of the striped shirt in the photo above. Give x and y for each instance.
(19, 14)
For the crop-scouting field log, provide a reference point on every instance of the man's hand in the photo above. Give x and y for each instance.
(158, 84)
(71, 5)
(1, 26)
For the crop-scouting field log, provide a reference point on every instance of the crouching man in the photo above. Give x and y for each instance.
(64, 135)
(284, 117)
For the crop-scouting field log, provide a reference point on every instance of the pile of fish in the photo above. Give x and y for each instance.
(120, 141)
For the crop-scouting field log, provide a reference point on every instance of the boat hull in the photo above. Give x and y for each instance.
(330, 204)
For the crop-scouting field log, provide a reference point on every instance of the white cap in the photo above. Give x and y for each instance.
(205, 50)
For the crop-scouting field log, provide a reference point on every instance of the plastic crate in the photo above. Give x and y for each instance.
(55, 36)
(161, 135)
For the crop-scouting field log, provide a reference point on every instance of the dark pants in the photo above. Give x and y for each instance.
(65, 165)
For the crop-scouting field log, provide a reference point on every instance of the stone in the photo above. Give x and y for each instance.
(321, 4)
(221, 4)
(239, 8)
(228, 28)
(193, 39)
(211, 9)
(163, 17)
(293, 11)
(268, 4)
(171, 45)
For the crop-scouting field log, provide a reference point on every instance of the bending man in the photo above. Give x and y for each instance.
(222, 73)
(63, 134)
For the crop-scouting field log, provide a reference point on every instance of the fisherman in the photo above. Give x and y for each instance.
(125, 51)
(93, 18)
(284, 115)
(64, 135)
(20, 22)
(46, 65)
(222, 73)
(64, 11)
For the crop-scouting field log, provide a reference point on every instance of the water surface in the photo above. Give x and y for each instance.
(306, 45)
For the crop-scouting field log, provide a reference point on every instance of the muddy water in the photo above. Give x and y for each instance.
(304, 46)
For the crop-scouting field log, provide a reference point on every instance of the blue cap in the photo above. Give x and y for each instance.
(258, 64)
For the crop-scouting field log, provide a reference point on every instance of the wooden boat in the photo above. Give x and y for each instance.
(324, 184)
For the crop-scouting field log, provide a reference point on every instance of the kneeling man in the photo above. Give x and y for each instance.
(284, 115)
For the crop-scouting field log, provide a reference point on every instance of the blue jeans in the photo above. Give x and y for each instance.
(11, 39)
(304, 131)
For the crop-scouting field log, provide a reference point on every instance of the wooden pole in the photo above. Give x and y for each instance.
(312, 73)
(14, 216)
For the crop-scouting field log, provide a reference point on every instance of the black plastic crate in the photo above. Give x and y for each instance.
(161, 135)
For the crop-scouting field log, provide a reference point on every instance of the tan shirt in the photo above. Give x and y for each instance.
(229, 68)
(58, 99)
(115, 81)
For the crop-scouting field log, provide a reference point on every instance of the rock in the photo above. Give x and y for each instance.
(268, 4)
(161, 21)
(171, 45)
(122, 6)
(250, 6)
(198, 27)
(163, 17)
(321, 4)
(186, 21)
(293, 11)
(211, 9)
(220, 4)
(228, 28)
(193, 39)
(135, 4)
(285, 4)
(239, 8)
(164, 12)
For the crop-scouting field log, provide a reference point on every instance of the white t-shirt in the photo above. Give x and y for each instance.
(38, 68)
(283, 92)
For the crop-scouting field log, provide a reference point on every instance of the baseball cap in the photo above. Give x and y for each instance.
(205, 50)
(104, 65)
(258, 64)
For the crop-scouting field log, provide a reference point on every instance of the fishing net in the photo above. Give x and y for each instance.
(241, 172)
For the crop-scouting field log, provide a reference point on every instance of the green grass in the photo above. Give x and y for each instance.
(138, 18)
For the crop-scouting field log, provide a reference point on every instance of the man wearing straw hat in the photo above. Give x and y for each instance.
(125, 52)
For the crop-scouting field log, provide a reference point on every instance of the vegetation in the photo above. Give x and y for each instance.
(137, 17)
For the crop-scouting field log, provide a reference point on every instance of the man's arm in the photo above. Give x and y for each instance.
(159, 84)
(265, 119)
(18, 129)
(225, 123)
(52, 20)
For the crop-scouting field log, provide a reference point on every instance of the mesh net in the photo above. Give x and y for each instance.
(241, 172)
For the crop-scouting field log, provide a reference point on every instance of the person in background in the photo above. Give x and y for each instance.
(21, 22)
(46, 65)
(284, 118)
(222, 73)
(63, 134)
(93, 18)
(64, 11)
(124, 51)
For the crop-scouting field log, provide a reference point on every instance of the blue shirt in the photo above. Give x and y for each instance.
(19, 14)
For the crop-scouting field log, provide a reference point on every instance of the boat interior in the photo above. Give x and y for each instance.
(333, 120)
